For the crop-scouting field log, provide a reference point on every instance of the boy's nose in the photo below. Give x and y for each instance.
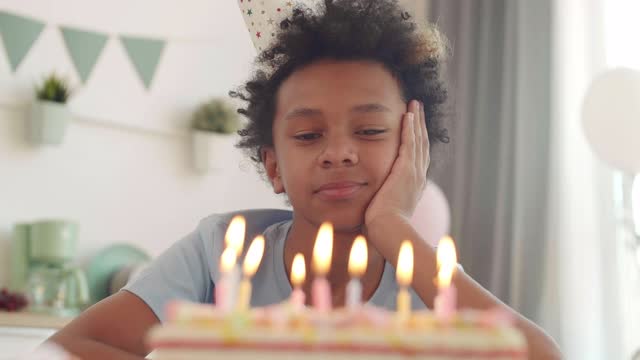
(338, 152)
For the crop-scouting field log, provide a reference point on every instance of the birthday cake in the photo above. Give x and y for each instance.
(231, 329)
(195, 331)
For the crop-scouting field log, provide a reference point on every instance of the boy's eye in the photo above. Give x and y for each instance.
(370, 132)
(307, 136)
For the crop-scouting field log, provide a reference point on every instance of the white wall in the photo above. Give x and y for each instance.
(208, 52)
(119, 183)
(126, 177)
(120, 186)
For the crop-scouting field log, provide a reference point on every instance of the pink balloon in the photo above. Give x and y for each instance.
(432, 215)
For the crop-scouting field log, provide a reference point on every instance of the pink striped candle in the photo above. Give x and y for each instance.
(322, 251)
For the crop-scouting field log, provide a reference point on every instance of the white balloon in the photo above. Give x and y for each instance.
(432, 215)
(611, 118)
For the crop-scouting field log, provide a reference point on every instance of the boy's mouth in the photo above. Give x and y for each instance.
(341, 190)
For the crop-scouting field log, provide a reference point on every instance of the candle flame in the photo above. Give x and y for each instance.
(298, 270)
(446, 261)
(234, 237)
(228, 260)
(322, 249)
(254, 256)
(404, 273)
(358, 257)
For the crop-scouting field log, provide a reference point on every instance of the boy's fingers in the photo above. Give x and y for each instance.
(407, 148)
(425, 138)
(414, 107)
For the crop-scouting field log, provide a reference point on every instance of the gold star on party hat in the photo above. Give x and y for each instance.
(263, 18)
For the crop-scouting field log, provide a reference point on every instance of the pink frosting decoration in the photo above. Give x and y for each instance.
(496, 317)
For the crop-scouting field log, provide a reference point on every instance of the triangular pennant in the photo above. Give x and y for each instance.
(144, 54)
(84, 48)
(18, 33)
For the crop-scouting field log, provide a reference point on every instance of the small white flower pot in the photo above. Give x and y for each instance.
(211, 150)
(48, 122)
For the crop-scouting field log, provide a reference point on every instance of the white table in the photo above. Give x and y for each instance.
(20, 333)
(17, 341)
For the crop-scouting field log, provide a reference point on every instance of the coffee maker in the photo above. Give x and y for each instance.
(42, 267)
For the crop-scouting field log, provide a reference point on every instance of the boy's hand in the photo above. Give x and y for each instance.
(399, 194)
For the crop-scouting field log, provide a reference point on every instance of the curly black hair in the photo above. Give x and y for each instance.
(371, 30)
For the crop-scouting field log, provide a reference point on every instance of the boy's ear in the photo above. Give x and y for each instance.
(270, 162)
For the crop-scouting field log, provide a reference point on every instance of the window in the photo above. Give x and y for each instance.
(621, 29)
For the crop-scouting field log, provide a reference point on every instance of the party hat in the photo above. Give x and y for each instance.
(263, 18)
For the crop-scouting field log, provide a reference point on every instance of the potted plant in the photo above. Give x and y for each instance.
(49, 113)
(213, 124)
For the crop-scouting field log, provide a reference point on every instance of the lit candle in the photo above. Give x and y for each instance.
(234, 237)
(357, 268)
(224, 287)
(321, 292)
(404, 277)
(250, 266)
(445, 302)
(298, 275)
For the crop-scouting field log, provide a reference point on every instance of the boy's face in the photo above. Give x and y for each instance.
(336, 135)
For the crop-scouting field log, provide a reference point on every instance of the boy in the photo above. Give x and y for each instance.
(341, 117)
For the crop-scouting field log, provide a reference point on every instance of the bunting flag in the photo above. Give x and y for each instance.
(18, 34)
(144, 53)
(84, 48)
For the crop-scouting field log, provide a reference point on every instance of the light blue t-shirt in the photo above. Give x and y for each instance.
(188, 269)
